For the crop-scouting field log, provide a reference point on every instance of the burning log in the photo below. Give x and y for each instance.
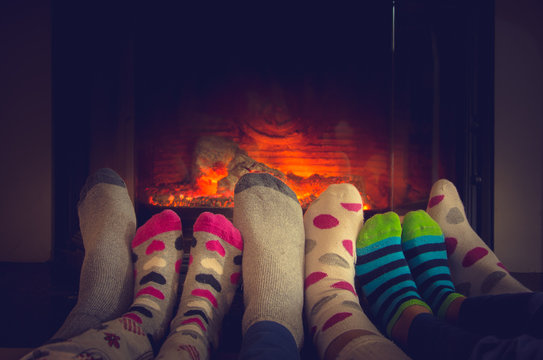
(219, 163)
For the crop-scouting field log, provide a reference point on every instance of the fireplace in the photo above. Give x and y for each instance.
(389, 96)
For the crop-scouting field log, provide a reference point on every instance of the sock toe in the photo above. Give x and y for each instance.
(418, 223)
(380, 227)
(106, 176)
(263, 179)
(167, 220)
(220, 226)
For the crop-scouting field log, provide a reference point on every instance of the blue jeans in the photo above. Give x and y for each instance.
(268, 340)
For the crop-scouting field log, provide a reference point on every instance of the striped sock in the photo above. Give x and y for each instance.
(383, 271)
(424, 248)
(210, 286)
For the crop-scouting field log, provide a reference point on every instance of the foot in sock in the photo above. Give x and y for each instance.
(108, 224)
(383, 271)
(210, 286)
(157, 252)
(475, 269)
(138, 333)
(424, 248)
(332, 223)
(270, 220)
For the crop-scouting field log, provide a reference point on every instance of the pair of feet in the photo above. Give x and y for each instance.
(274, 229)
(399, 266)
(130, 279)
(408, 265)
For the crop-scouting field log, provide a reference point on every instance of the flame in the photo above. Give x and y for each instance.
(207, 182)
(204, 193)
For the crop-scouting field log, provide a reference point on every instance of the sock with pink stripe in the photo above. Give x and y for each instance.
(332, 307)
(475, 269)
(138, 333)
(157, 253)
(210, 286)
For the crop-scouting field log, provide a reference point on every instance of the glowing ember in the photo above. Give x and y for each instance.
(205, 193)
(207, 183)
(218, 163)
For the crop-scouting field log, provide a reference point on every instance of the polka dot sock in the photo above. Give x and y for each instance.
(383, 271)
(424, 249)
(210, 286)
(138, 333)
(475, 269)
(332, 308)
(108, 224)
(157, 250)
(270, 219)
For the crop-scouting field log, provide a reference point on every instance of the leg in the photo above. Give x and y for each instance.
(135, 335)
(519, 314)
(269, 217)
(108, 224)
(431, 338)
(210, 286)
(475, 268)
(268, 340)
(337, 322)
(395, 303)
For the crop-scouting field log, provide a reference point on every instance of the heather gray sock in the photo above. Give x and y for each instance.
(269, 217)
(138, 333)
(108, 224)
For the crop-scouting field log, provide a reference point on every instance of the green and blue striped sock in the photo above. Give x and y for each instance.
(383, 271)
(424, 248)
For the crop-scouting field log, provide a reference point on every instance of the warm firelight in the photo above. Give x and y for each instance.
(205, 192)
(206, 184)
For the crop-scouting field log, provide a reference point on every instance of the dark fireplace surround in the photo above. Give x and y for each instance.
(398, 93)
(409, 83)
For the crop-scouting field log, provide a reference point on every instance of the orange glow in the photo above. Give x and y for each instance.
(206, 184)
(205, 191)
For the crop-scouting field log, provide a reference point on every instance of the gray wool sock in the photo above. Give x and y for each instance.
(138, 333)
(108, 224)
(270, 219)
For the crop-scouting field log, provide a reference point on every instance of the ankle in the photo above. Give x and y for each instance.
(454, 310)
(335, 347)
(400, 330)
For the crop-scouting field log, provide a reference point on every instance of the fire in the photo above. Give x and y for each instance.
(205, 192)
(207, 183)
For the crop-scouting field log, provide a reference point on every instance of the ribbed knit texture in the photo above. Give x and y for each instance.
(138, 333)
(108, 224)
(269, 217)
